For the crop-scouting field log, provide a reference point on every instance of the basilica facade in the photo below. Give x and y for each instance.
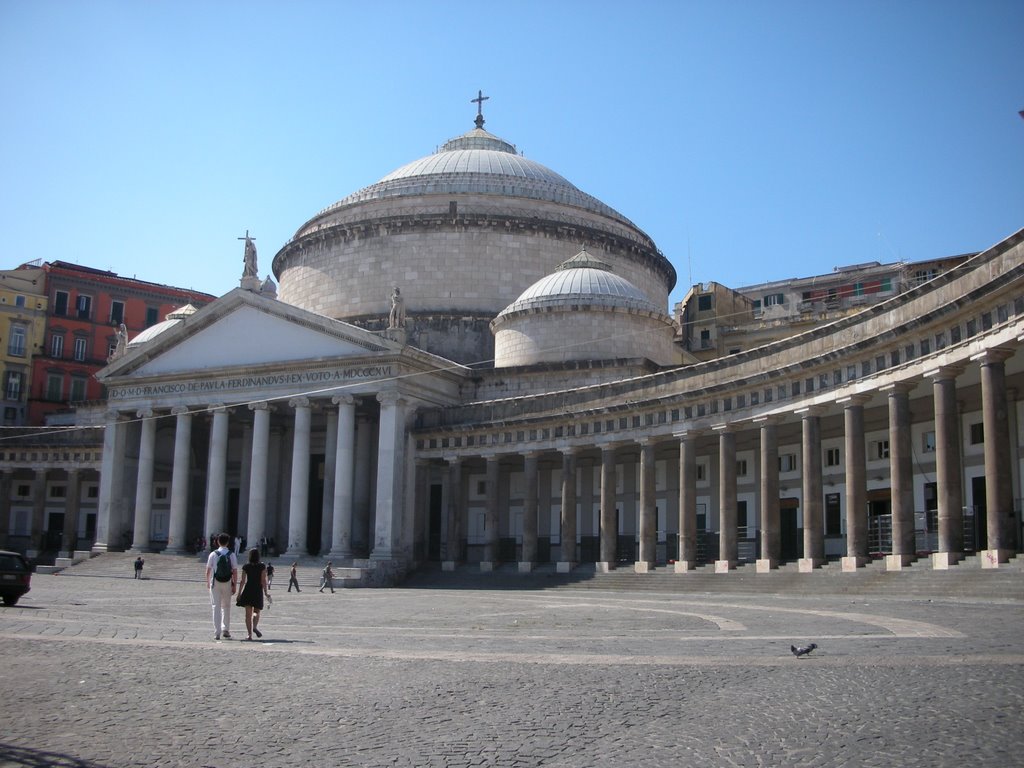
(471, 361)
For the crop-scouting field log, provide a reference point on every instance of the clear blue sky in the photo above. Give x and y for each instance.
(752, 140)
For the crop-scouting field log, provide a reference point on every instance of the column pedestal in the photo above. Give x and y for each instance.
(682, 566)
(448, 565)
(766, 565)
(724, 566)
(488, 566)
(993, 558)
(525, 566)
(564, 566)
(852, 562)
(897, 562)
(808, 564)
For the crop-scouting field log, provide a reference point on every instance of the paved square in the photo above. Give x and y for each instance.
(117, 672)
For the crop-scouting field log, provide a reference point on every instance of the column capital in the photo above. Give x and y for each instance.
(569, 450)
(215, 408)
(811, 410)
(944, 373)
(993, 355)
(531, 454)
(262, 405)
(180, 410)
(861, 398)
(343, 400)
(113, 415)
(724, 428)
(688, 434)
(390, 397)
(144, 413)
(898, 388)
(299, 402)
(452, 459)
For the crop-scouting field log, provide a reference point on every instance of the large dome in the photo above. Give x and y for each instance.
(462, 233)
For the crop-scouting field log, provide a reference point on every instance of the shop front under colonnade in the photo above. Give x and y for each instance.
(890, 433)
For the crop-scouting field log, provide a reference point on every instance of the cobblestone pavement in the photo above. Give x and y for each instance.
(119, 672)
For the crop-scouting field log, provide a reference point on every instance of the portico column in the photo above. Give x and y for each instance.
(5, 505)
(770, 539)
(176, 543)
(609, 532)
(390, 463)
(687, 555)
(298, 502)
(37, 530)
(814, 523)
(71, 510)
(998, 475)
(727, 549)
(949, 487)
(217, 473)
(453, 537)
(901, 477)
(111, 477)
(490, 558)
(648, 512)
(567, 557)
(144, 483)
(529, 554)
(258, 467)
(330, 462)
(344, 469)
(856, 483)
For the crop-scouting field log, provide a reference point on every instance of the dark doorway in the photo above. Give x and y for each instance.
(434, 523)
(54, 533)
(790, 541)
(624, 545)
(315, 503)
(980, 512)
(232, 527)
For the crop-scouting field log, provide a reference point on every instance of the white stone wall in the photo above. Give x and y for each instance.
(563, 335)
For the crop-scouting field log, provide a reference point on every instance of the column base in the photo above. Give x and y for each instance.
(682, 566)
(603, 567)
(449, 565)
(487, 566)
(174, 551)
(808, 564)
(525, 566)
(642, 566)
(724, 566)
(943, 561)
(851, 564)
(993, 558)
(564, 566)
(99, 548)
(340, 554)
(766, 565)
(897, 562)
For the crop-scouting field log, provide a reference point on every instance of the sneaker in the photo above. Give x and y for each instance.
(226, 635)
(217, 636)
(257, 632)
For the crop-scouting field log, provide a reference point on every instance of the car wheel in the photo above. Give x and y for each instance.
(11, 599)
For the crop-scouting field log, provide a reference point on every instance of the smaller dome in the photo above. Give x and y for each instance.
(173, 318)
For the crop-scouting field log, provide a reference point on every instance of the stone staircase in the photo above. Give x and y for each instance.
(161, 567)
(966, 580)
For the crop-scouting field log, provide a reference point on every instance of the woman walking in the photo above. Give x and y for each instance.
(251, 590)
(293, 579)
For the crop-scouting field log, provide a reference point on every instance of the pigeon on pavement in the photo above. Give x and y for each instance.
(802, 650)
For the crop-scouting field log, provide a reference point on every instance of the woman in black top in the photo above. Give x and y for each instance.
(251, 590)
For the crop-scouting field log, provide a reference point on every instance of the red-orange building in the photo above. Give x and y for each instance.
(86, 308)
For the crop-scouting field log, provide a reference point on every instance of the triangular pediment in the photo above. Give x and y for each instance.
(242, 330)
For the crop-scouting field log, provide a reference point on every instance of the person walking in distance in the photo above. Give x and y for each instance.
(293, 578)
(270, 575)
(221, 580)
(251, 591)
(138, 567)
(328, 578)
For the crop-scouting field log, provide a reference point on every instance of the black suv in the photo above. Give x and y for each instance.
(15, 575)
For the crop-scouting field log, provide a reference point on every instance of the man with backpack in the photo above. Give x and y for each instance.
(221, 580)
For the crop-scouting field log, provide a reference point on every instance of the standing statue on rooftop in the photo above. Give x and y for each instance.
(396, 318)
(250, 269)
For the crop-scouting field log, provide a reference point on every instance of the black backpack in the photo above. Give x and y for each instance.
(223, 570)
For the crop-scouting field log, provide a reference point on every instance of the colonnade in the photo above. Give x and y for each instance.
(998, 469)
(347, 467)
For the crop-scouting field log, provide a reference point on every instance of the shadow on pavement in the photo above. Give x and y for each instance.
(15, 756)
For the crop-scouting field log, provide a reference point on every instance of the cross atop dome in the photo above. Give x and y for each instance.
(479, 101)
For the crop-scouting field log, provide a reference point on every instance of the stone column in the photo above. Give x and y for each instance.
(5, 505)
(529, 554)
(771, 547)
(490, 558)
(298, 501)
(814, 523)
(609, 534)
(998, 464)
(111, 482)
(176, 544)
(648, 509)
(727, 548)
(362, 482)
(244, 484)
(71, 509)
(856, 483)
(144, 483)
(38, 526)
(901, 477)
(259, 464)
(216, 474)
(344, 476)
(567, 557)
(390, 463)
(687, 555)
(949, 486)
(453, 537)
(330, 461)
